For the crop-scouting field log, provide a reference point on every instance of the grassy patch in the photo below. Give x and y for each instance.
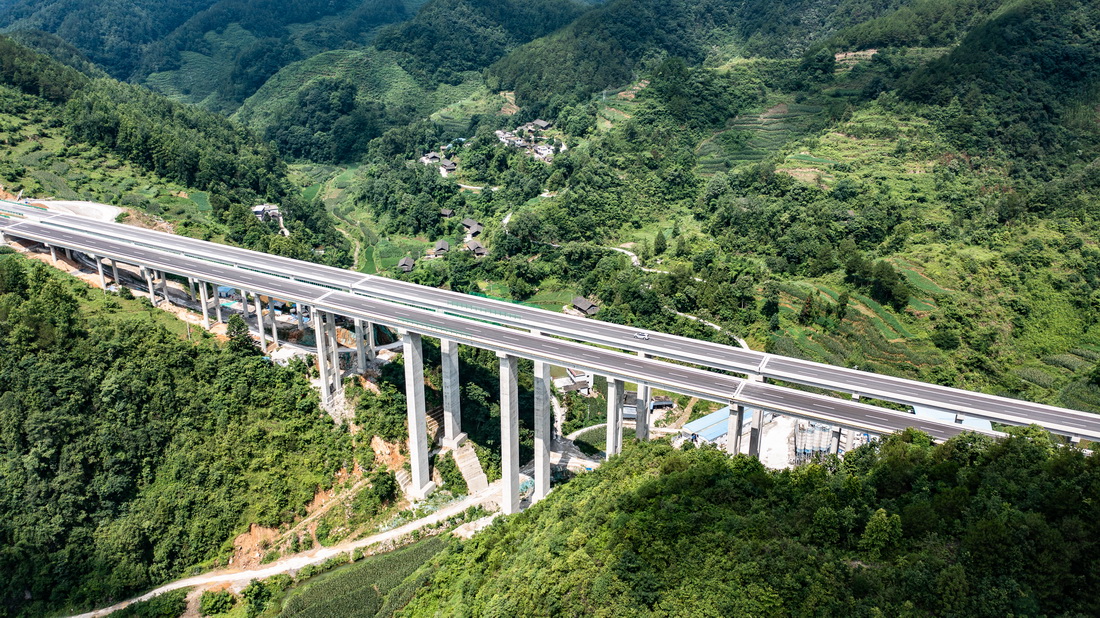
(593, 442)
(359, 589)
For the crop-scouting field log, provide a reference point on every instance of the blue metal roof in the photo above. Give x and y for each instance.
(712, 426)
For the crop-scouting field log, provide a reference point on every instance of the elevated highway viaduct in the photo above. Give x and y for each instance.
(510, 344)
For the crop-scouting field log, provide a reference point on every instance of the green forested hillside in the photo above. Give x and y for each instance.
(898, 528)
(448, 37)
(130, 454)
(223, 54)
(61, 125)
(110, 33)
(607, 46)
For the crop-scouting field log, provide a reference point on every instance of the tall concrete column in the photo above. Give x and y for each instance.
(260, 325)
(191, 287)
(114, 267)
(322, 357)
(641, 413)
(734, 428)
(301, 316)
(543, 416)
(205, 306)
(509, 434)
(149, 285)
(102, 277)
(53, 253)
(274, 323)
(418, 430)
(452, 402)
(372, 343)
(850, 442)
(614, 417)
(164, 286)
(834, 443)
(360, 347)
(756, 432)
(334, 351)
(244, 303)
(217, 303)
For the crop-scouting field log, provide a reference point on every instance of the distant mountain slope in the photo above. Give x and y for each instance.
(112, 32)
(223, 54)
(1020, 79)
(451, 36)
(606, 45)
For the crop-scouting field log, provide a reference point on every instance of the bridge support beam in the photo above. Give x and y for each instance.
(244, 304)
(114, 268)
(263, 338)
(641, 410)
(102, 277)
(543, 414)
(205, 306)
(53, 253)
(191, 287)
(164, 287)
(360, 348)
(321, 338)
(333, 346)
(149, 285)
(756, 432)
(614, 417)
(301, 309)
(274, 323)
(735, 426)
(452, 402)
(217, 304)
(418, 429)
(834, 444)
(509, 433)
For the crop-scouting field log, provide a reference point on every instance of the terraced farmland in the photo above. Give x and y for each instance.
(753, 137)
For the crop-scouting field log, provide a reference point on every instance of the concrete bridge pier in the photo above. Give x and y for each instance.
(850, 442)
(756, 431)
(260, 327)
(274, 323)
(217, 303)
(244, 304)
(149, 285)
(164, 287)
(834, 443)
(641, 414)
(114, 268)
(452, 401)
(735, 426)
(322, 358)
(509, 433)
(614, 417)
(418, 428)
(53, 252)
(191, 287)
(543, 413)
(204, 301)
(102, 277)
(332, 346)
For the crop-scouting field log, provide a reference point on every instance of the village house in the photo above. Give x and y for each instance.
(266, 212)
(406, 264)
(473, 228)
(585, 306)
(476, 248)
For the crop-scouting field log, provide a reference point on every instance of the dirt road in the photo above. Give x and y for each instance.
(238, 579)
